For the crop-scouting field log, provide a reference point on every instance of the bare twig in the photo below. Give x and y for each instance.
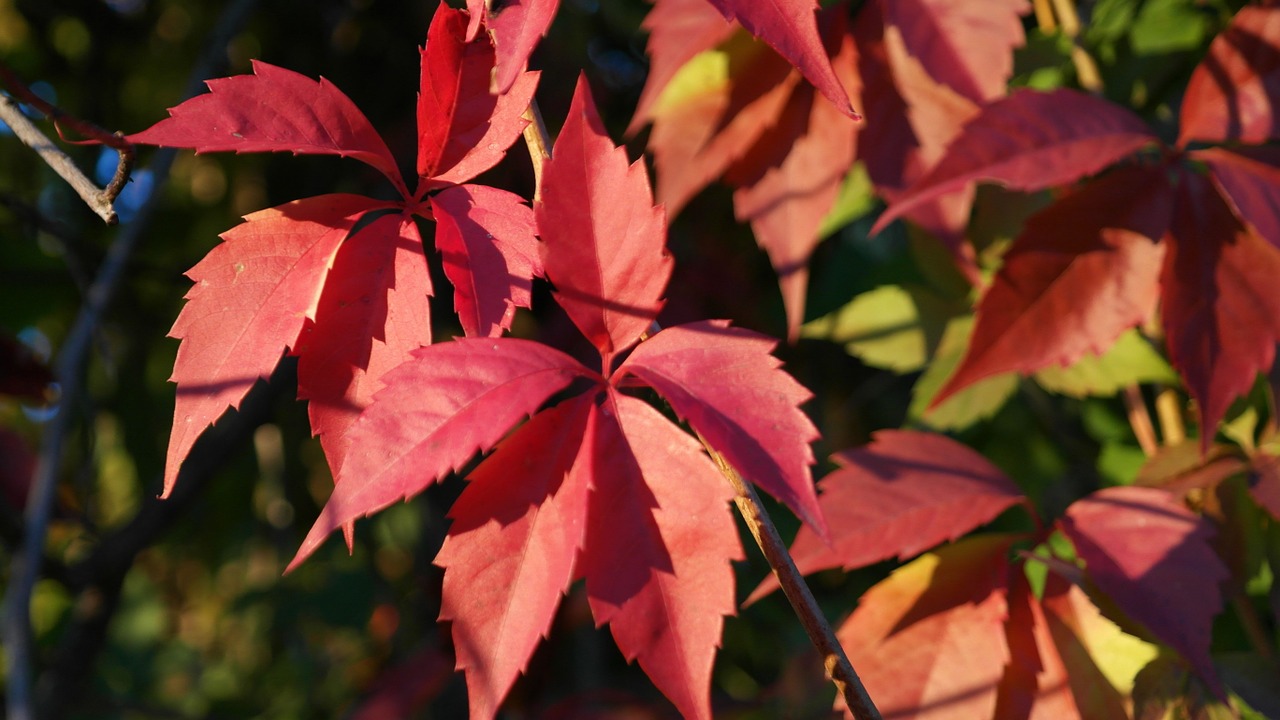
(69, 369)
(98, 200)
(535, 136)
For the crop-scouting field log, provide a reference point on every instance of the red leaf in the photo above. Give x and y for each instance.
(604, 241)
(659, 542)
(408, 439)
(1221, 311)
(967, 46)
(1084, 270)
(1029, 141)
(697, 140)
(928, 641)
(1249, 180)
(517, 27)
(463, 129)
(678, 30)
(1035, 684)
(724, 382)
(791, 28)
(1153, 558)
(1264, 484)
(898, 496)
(486, 240)
(1231, 94)
(510, 551)
(252, 296)
(1052, 674)
(372, 314)
(273, 110)
(786, 199)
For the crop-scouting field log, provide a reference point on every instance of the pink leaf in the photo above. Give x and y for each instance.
(1249, 180)
(486, 240)
(408, 439)
(252, 296)
(510, 552)
(1231, 94)
(1029, 141)
(1221, 311)
(678, 30)
(898, 496)
(659, 542)
(517, 27)
(463, 129)
(791, 28)
(724, 382)
(604, 241)
(372, 314)
(1084, 270)
(273, 110)
(1154, 559)
(928, 642)
(967, 46)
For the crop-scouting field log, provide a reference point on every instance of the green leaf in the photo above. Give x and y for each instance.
(976, 402)
(1168, 26)
(1131, 360)
(894, 327)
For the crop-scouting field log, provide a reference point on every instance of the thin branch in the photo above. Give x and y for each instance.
(15, 626)
(29, 134)
(1140, 420)
(838, 668)
(535, 136)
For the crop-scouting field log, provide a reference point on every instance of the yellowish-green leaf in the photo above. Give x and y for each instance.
(976, 402)
(856, 199)
(1130, 360)
(895, 327)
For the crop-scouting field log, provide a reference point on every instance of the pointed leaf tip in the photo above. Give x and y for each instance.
(604, 241)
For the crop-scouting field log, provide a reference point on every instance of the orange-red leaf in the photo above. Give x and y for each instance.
(1029, 141)
(791, 28)
(1221, 311)
(896, 497)
(1083, 271)
(1154, 559)
(724, 382)
(659, 542)
(678, 30)
(967, 46)
(928, 642)
(372, 314)
(273, 110)
(487, 244)
(604, 242)
(1232, 92)
(463, 129)
(510, 551)
(410, 437)
(252, 296)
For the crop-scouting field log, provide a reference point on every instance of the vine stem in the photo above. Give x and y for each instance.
(1140, 420)
(834, 660)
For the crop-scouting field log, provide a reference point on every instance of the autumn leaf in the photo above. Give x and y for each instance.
(351, 303)
(1247, 178)
(928, 642)
(1221, 317)
(1153, 558)
(1029, 141)
(611, 279)
(1231, 94)
(1083, 270)
(898, 496)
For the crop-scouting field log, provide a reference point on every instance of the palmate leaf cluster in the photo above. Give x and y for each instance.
(995, 528)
